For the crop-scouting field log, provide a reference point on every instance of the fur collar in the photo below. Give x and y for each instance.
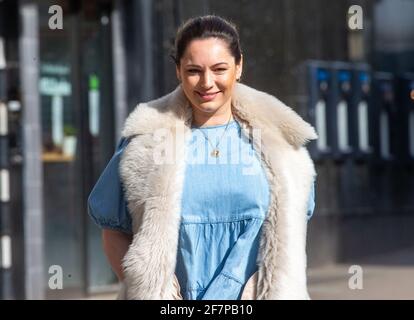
(258, 108)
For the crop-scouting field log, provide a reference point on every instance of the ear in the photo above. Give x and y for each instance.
(177, 73)
(239, 68)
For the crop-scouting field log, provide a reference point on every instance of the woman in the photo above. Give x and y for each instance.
(218, 185)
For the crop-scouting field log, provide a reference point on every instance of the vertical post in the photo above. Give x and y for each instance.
(147, 48)
(32, 148)
(120, 74)
(6, 283)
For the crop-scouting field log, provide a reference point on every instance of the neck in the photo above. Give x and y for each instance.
(203, 119)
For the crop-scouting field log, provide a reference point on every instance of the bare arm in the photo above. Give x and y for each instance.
(115, 244)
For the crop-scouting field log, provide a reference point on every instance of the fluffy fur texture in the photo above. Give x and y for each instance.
(153, 191)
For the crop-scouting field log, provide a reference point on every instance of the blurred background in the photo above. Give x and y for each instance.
(65, 92)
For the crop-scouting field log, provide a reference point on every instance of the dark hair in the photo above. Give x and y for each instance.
(206, 27)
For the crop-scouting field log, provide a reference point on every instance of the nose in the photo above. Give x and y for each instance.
(207, 80)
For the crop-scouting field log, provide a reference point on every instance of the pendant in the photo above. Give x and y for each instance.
(215, 153)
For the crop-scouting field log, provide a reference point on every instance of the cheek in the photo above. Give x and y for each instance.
(227, 80)
(227, 83)
(190, 82)
(188, 87)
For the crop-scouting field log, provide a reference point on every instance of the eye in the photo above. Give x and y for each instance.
(221, 70)
(192, 70)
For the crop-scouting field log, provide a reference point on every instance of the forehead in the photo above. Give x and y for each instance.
(207, 51)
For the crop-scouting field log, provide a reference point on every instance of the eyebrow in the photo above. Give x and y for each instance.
(215, 65)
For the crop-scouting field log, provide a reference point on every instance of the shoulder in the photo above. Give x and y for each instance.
(159, 113)
(266, 112)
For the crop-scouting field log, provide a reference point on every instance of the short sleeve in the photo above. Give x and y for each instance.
(106, 203)
(311, 202)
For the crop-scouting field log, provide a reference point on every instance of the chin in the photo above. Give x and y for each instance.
(207, 107)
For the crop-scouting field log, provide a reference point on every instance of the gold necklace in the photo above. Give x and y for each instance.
(216, 152)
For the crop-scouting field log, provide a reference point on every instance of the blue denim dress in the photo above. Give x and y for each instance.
(224, 203)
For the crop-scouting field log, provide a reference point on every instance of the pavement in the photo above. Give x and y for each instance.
(102, 296)
(382, 277)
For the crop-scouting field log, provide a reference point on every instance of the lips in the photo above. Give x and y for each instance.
(208, 95)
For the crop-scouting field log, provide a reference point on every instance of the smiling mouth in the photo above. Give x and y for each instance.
(208, 96)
